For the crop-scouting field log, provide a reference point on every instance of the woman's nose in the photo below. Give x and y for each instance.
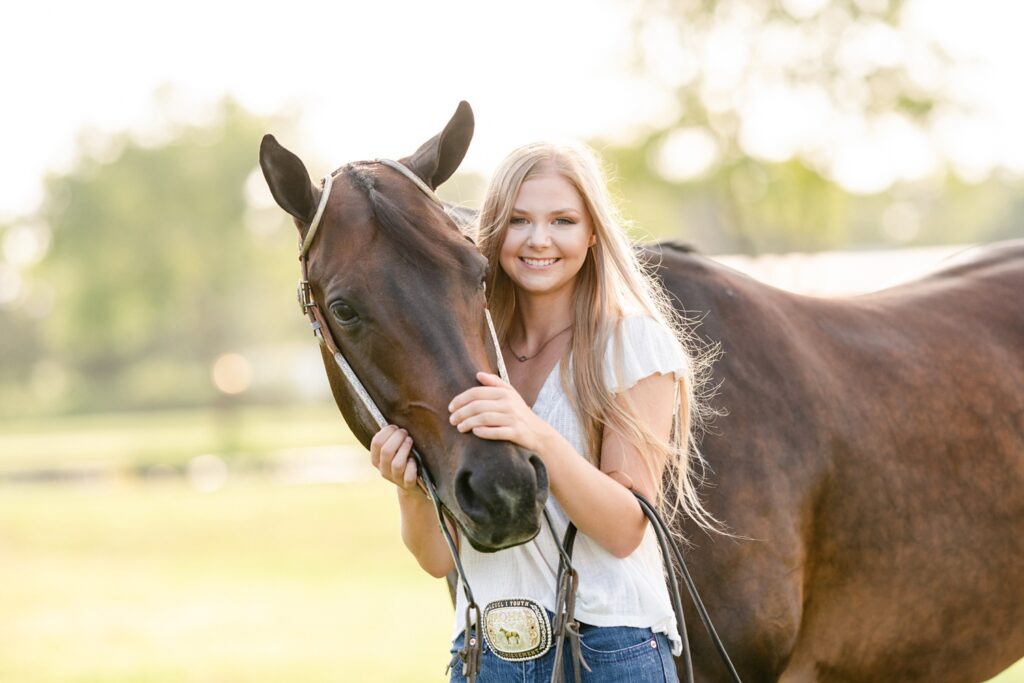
(539, 236)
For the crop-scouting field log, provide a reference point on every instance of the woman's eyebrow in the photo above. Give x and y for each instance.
(556, 211)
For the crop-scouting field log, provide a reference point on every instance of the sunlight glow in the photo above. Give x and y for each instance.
(777, 120)
(685, 154)
(803, 9)
(342, 109)
(232, 373)
(25, 244)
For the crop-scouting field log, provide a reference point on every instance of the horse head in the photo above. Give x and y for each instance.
(400, 289)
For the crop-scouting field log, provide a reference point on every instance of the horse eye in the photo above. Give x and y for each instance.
(343, 313)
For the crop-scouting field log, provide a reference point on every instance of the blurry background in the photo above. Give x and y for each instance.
(179, 499)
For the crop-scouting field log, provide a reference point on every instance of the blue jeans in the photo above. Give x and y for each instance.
(613, 653)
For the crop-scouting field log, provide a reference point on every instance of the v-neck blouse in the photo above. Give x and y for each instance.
(544, 385)
(629, 591)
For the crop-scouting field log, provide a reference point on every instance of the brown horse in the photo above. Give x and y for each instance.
(402, 292)
(873, 448)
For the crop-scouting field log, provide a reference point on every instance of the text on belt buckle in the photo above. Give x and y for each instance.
(517, 629)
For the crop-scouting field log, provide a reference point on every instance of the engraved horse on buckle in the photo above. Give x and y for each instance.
(517, 629)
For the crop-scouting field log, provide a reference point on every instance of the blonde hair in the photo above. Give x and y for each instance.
(612, 283)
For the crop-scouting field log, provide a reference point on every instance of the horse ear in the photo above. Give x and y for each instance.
(288, 179)
(438, 157)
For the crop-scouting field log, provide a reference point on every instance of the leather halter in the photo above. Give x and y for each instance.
(471, 651)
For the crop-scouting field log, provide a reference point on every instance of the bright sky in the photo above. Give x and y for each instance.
(368, 79)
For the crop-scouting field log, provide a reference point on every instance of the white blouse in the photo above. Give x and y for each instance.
(612, 592)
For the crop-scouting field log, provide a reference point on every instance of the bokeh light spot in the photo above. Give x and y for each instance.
(232, 373)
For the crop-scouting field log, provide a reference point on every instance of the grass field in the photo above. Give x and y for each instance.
(120, 581)
(257, 582)
(132, 440)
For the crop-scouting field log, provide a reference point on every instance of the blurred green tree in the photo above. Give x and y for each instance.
(797, 125)
(159, 262)
(165, 252)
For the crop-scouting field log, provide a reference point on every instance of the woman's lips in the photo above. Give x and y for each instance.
(539, 263)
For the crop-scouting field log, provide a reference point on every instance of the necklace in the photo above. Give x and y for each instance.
(523, 359)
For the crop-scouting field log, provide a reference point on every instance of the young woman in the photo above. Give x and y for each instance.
(599, 382)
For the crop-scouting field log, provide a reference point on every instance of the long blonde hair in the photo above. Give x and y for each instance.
(612, 283)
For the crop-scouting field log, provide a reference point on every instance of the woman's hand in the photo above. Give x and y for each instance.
(496, 411)
(389, 452)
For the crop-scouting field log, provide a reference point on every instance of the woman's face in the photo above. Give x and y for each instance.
(548, 236)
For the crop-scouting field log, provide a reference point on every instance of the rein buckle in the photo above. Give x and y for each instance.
(305, 296)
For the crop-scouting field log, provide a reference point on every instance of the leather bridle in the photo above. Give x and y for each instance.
(565, 626)
(568, 578)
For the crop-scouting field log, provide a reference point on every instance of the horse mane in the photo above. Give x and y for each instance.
(682, 247)
(403, 227)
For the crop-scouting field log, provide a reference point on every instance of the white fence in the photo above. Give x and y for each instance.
(840, 273)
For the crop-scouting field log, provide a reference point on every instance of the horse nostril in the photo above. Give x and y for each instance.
(541, 473)
(464, 494)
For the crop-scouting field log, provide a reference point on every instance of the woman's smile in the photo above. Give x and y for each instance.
(539, 263)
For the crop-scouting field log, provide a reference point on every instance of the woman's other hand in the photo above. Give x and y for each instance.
(496, 411)
(390, 451)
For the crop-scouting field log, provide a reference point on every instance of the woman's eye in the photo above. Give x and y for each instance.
(344, 313)
(565, 221)
(518, 220)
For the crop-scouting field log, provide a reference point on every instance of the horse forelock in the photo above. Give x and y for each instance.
(410, 222)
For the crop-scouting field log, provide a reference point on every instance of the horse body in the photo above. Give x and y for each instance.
(874, 451)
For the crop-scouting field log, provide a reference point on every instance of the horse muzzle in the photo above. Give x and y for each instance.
(501, 499)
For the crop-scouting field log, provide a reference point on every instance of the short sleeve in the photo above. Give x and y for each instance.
(641, 347)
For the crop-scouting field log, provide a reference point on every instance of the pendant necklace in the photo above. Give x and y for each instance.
(523, 359)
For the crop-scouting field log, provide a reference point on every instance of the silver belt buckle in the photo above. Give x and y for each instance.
(517, 629)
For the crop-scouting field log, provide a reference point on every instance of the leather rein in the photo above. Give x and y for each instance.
(565, 627)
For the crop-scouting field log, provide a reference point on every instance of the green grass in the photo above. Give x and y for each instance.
(257, 582)
(170, 437)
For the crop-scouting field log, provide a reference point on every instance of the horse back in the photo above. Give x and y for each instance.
(873, 450)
